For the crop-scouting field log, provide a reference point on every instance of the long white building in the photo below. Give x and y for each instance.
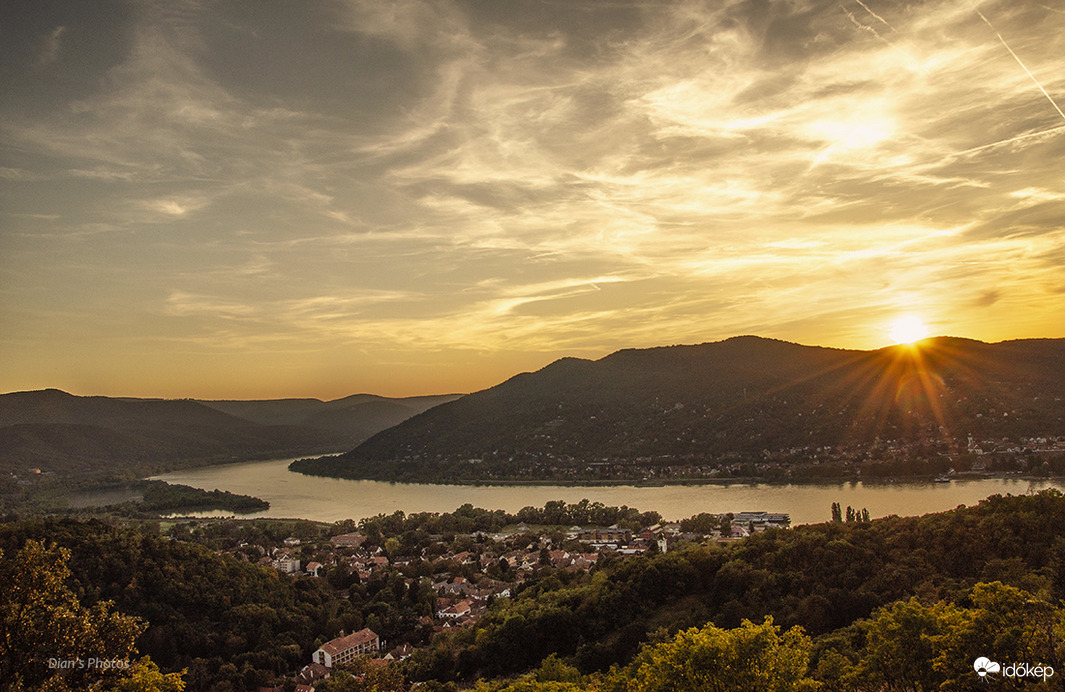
(342, 650)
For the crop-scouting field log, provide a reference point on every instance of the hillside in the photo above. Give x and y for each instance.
(739, 406)
(71, 435)
(895, 603)
(353, 418)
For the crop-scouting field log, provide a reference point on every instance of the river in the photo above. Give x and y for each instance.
(293, 495)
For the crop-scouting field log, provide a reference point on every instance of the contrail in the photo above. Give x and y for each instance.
(1059, 128)
(913, 61)
(882, 20)
(1007, 47)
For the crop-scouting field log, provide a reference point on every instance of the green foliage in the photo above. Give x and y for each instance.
(469, 519)
(911, 645)
(821, 577)
(145, 676)
(217, 617)
(707, 523)
(752, 658)
(49, 641)
(894, 604)
(363, 675)
(161, 496)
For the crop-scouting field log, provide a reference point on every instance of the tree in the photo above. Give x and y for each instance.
(145, 676)
(913, 646)
(902, 642)
(726, 525)
(47, 639)
(749, 658)
(362, 675)
(837, 513)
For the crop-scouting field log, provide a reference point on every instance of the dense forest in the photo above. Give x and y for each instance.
(895, 603)
(744, 407)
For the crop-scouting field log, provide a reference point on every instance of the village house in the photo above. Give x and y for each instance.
(348, 540)
(768, 519)
(342, 650)
(312, 673)
(601, 537)
(287, 564)
(459, 610)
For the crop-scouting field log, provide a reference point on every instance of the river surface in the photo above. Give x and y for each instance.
(293, 495)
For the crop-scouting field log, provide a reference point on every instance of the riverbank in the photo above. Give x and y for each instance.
(732, 480)
(293, 495)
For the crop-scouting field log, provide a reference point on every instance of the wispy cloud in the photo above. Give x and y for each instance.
(528, 178)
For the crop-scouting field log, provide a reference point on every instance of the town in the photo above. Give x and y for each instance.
(416, 584)
(934, 454)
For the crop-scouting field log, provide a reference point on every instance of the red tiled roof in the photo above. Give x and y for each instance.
(340, 644)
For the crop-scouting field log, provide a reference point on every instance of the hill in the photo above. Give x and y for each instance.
(71, 435)
(68, 435)
(744, 406)
(353, 418)
(895, 603)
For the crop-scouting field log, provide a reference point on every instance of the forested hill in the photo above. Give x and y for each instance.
(71, 435)
(713, 403)
(896, 603)
(825, 578)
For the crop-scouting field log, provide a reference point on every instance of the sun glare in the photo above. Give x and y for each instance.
(907, 329)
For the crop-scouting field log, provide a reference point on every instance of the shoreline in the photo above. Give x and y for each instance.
(753, 480)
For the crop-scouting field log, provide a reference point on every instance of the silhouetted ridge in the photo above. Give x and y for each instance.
(742, 400)
(53, 431)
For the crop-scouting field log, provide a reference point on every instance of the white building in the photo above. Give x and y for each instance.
(287, 565)
(342, 650)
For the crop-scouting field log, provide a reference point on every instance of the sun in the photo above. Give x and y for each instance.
(907, 329)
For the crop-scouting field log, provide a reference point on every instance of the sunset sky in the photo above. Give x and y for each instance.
(268, 199)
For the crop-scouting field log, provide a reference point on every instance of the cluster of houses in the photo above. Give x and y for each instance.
(490, 574)
(615, 539)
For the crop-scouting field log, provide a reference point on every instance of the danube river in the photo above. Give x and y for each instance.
(292, 495)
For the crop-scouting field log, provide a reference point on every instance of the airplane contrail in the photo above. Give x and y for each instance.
(1029, 72)
(1059, 128)
(913, 61)
(882, 20)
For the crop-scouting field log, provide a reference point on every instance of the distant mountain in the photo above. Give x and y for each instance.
(354, 418)
(746, 399)
(69, 435)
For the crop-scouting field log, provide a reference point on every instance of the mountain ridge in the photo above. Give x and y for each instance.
(717, 404)
(50, 430)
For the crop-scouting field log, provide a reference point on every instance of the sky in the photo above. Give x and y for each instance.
(273, 199)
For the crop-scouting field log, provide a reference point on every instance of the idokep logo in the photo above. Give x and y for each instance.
(985, 666)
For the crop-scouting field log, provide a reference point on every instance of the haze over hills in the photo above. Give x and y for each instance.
(355, 417)
(72, 435)
(715, 405)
